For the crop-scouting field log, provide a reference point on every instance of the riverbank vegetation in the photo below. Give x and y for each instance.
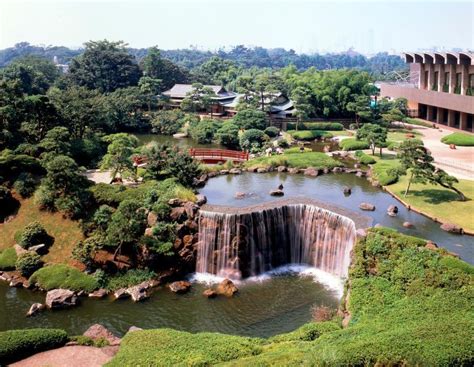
(398, 288)
(295, 159)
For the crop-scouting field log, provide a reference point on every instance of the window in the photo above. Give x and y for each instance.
(457, 90)
(435, 82)
(470, 87)
(426, 81)
(446, 82)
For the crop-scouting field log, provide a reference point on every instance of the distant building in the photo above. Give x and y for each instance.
(440, 88)
(226, 102)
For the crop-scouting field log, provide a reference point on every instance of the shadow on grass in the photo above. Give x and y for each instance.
(436, 196)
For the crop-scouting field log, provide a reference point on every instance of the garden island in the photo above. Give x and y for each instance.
(195, 208)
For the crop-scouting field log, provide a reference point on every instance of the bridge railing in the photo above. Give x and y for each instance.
(221, 154)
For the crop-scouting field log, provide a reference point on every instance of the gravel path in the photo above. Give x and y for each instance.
(70, 356)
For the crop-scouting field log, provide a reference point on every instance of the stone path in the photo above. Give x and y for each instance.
(70, 356)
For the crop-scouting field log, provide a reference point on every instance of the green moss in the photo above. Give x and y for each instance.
(19, 344)
(353, 144)
(461, 139)
(8, 259)
(63, 276)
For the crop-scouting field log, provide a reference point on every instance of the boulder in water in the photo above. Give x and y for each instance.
(262, 170)
(235, 171)
(60, 298)
(310, 171)
(100, 293)
(98, 331)
(367, 206)
(181, 286)
(201, 199)
(121, 293)
(452, 228)
(392, 210)
(282, 169)
(34, 309)
(408, 225)
(226, 288)
(347, 191)
(293, 170)
(276, 192)
(240, 195)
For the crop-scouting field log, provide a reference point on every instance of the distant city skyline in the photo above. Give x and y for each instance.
(304, 26)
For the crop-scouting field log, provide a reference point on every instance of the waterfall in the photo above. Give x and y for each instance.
(247, 244)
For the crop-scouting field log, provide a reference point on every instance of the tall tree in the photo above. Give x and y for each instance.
(105, 66)
(198, 98)
(301, 97)
(156, 67)
(150, 88)
(119, 152)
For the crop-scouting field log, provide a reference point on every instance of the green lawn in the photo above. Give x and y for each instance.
(399, 135)
(439, 202)
(66, 232)
(460, 139)
(381, 169)
(295, 159)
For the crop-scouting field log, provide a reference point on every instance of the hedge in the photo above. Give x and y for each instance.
(353, 144)
(309, 134)
(7, 259)
(364, 158)
(19, 344)
(334, 126)
(461, 139)
(63, 276)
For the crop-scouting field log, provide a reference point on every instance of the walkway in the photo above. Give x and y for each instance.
(70, 356)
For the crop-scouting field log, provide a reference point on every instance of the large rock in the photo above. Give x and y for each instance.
(191, 209)
(310, 171)
(240, 195)
(431, 246)
(347, 191)
(235, 171)
(293, 170)
(121, 293)
(34, 309)
(100, 293)
(181, 286)
(276, 193)
(61, 298)
(452, 228)
(40, 249)
(98, 331)
(408, 225)
(138, 293)
(178, 214)
(262, 170)
(209, 293)
(337, 170)
(392, 210)
(152, 218)
(226, 288)
(367, 206)
(201, 199)
(282, 169)
(361, 233)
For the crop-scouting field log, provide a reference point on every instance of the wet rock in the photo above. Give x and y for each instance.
(276, 192)
(178, 214)
(60, 298)
(34, 309)
(293, 170)
(312, 172)
(175, 202)
(337, 170)
(252, 169)
(224, 171)
(451, 228)
(181, 286)
(408, 225)
(360, 174)
(235, 171)
(361, 233)
(191, 209)
(212, 174)
(375, 183)
(138, 293)
(6, 277)
(98, 331)
(367, 206)
(209, 293)
(431, 246)
(151, 219)
(226, 288)
(262, 170)
(201, 199)
(240, 195)
(100, 293)
(392, 210)
(121, 293)
(282, 169)
(347, 191)
(18, 282)
(325, 170)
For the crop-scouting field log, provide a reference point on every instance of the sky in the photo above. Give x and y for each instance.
(305, 26)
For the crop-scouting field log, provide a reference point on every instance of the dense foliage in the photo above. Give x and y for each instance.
(28, 262)
(34, 234)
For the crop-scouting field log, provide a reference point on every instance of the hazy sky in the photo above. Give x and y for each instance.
(305, 26)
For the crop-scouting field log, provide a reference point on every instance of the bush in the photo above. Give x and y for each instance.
(419, 122)
(27, 263)
(129, 278)
(8, 204)
(272, 131)
(309, 134)
(25, 184)
(461, 139)
(252, 138)
(364, 158)
(8, 259)
(228, 135)
(250, 119)
(19, 344)
(335, 126)
(203, 131)
(11, 165)
(353, 144)
(308, 332)
(167, 122)
(63, 276)
(34, 234)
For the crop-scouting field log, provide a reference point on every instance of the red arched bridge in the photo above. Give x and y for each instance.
(205, 155)
(218, 155)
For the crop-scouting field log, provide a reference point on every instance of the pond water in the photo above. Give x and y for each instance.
(262, 307)
(329, 188)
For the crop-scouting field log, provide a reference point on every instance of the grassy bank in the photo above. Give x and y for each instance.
(381, 170)
(294, 158)
(439, 202)
(409, 306)
(460, 139)
(66, 232)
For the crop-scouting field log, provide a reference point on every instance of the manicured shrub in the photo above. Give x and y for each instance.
(272, 131)
(25, 184)
(334, 126)
(228, 135)
(8, 204)
(252, 139)
(251, 119)
(8, 259)
(63, 276)
(129, 278)
(34, 234)
(203, 131)
(309, 134)
(353, 144)
(19, 344)
(27, 263)
(461, 139)
(364, 158)
(168, 122)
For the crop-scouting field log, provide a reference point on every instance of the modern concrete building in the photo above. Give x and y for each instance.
(440, 88)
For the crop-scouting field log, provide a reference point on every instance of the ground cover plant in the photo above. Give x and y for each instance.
(295, 159)
(63, 276)
(353, 144)
(309, 134)
(461, 139)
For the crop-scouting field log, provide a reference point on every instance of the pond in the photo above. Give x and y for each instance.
(221, 190)
(263, 307)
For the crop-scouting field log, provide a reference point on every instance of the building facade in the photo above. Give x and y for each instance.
(440, 88)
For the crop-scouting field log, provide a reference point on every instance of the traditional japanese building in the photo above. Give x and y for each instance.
(440, 88)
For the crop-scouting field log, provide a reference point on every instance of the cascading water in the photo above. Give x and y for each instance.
(248, 244)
